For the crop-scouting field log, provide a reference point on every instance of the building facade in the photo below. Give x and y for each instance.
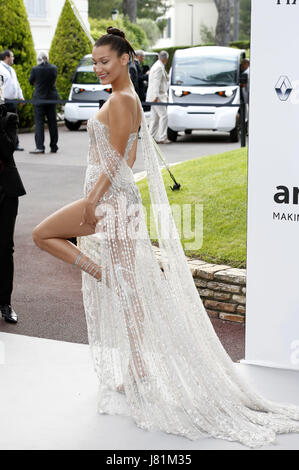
(185, 20)
(43, 17)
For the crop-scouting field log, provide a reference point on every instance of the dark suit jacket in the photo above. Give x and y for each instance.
(133, 75)
(140, 78)
(10, 181)
(44, 76)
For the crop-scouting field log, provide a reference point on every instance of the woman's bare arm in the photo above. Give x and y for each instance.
(120, 123)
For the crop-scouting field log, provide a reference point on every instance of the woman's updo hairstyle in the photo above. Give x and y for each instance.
(116, 39)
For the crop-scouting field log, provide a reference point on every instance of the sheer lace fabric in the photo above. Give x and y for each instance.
(148, 329)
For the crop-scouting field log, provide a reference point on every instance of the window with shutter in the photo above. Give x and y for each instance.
(36, 8)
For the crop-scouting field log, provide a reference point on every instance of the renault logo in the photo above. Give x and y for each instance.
(283, 88)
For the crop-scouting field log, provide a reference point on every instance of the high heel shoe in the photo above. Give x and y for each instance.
(8, 314)
(145, 388)
(121, 387)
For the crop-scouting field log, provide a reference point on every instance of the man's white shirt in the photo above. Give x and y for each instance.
(11, 86)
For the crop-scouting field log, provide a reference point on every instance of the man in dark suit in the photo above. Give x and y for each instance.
(142, 77)
(43, 77)
(133, 74)
(11, 187)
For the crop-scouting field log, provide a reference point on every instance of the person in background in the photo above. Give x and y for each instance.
(11, 87)
(158, 91)
(11, 187)
(134, 75)
(43, 77)
(141, 76)
(245, 69)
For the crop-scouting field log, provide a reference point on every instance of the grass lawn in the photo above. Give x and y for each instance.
(219, 183)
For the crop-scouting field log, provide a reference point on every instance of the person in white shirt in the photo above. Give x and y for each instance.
(157, 91)
(11, 86)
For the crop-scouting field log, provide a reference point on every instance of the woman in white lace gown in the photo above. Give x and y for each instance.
(155, 352)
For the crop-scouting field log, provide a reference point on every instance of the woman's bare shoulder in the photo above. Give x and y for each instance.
(123, 99)
(122, 104)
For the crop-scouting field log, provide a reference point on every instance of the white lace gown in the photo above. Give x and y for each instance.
(148, 329)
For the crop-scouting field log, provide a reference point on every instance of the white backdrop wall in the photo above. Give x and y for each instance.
(272, 309)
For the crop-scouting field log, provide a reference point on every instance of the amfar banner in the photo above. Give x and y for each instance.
(272, 325)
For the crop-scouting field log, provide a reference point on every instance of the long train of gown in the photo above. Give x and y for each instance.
(148, 328)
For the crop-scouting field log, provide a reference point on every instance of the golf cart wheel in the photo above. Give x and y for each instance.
(72, 126)
(172, 135)
(234, 135)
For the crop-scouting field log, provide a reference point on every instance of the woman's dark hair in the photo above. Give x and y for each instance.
(117, 41)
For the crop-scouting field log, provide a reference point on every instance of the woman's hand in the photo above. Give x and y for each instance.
(88, 215)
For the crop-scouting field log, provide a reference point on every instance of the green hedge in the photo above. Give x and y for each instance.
(134, 33)
(15, 34)
(240, 44)
(171, 50)
(69, 45)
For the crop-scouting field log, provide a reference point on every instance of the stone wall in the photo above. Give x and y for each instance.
(222, 288)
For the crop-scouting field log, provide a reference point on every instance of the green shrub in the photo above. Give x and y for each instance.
(134, 33)
(69, 45)
(15, 34)
(240, 44)
(150, 28)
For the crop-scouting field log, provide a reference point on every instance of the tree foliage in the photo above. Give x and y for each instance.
(150, 28)
(245, 19)
(134, 33)
(145, 8)
(69, 45)
(207, 34)
(152, 8)
(15, 34)
(103, 8)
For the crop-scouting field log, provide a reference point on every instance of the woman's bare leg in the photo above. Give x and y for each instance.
(52, 233)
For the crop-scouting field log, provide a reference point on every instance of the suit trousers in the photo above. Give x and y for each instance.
(158, 122)
(40, 111)
(8, 213)
(13, 108)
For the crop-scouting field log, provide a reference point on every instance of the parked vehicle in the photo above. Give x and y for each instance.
(208, 75)
(87, 92)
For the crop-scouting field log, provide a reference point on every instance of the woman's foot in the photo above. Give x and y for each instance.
(121, 388)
